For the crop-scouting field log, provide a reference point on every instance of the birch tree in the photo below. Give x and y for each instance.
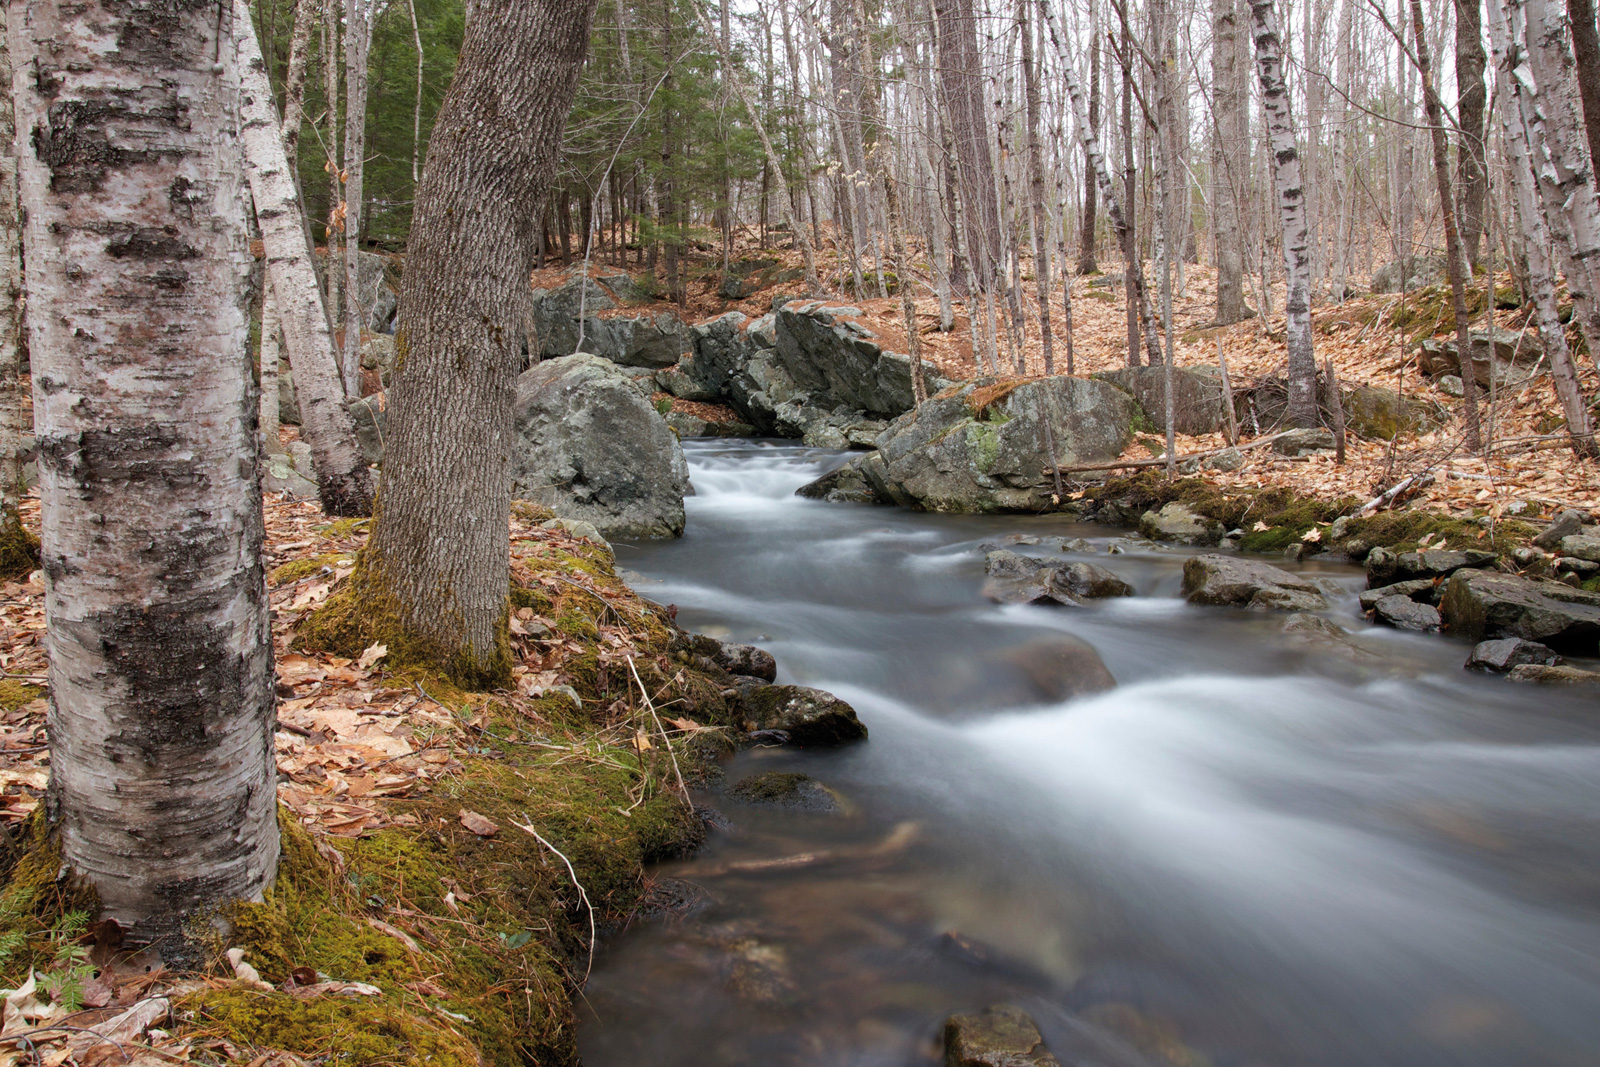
(434, 579)
(19, 552)
(357, 43)
(161, 690)
(1230, 147)
(1279, 121)
(344, 483)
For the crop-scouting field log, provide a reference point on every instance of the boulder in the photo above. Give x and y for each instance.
(1229, 459)
(1585, 546)
(371, 416)
(1376, 413)
(1060, 667)
(987, 445)
(1087, 581)
(1437, 563)
(745, 660)
(588, 444)
(1425, 271)
(1180, 524)
(375, 292)
(1568, 521)
(1501, 655)
(838, 363)
(288, 405)
(279, 475)
(1544, 675)
(847, 485)
(1197, 402)
(1017, 579)
(810, 717)
(1000, 1036)
(641, 339)
(1422, 590)
(1487, 604)
(1513, 356)
(687, 425)
(584, 531)
(684, 381)
(554, 313)
(1404, 613)
(378, 354)
(782, 789)
(1231, 581)
(1304, 442)
(1450, 385)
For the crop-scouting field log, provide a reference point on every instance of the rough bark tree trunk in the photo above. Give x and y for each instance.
(1302, 407)
(961, 77)
(1041, 236)
(1472, 176)
(161, 689)
(344, 483)
(1454, 253)
(435, 575)
(1586, 53)
(1086, 242)
(1230, 146)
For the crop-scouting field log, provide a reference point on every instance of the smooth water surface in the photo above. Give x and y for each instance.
(1259, 849)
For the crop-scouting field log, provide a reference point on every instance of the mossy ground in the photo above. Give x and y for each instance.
(14, 694)
(19, 549)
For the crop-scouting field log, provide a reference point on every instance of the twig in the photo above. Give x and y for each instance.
(662, 730)
(527, 827)
(1390, 495)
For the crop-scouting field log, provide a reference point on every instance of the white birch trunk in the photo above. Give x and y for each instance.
(1291, 213)
(345, 484)
(294, 82)
(357, 43)
(268, 362)
(13, 417)
(161, 690)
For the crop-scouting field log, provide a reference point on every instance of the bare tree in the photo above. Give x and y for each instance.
(434, 579)
(1302, 407)
(1472, 99)
(1586, 55)
(357, 43)
(1230, 145)
(344, 483)
(161, 690)
(19, 553)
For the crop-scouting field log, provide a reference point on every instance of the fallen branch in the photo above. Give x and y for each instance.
(1388, 497)
(1160, 461)
(527, 827)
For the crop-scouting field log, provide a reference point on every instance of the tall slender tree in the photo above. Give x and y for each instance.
(161, 690)
(19, 550)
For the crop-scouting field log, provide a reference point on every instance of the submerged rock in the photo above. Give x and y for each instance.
(1542, 674)
(810, 717)
(1060, 667)
(1488, 604)
(988, 444)
(1503, 654)
(1422, 590)
(1231, 581)
(1403, 613)
(588, 444)
(782, 789)
(845, 485)
(999, 1036)
(1019, 579)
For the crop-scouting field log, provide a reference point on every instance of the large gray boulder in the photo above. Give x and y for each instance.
(371, 416)
(1487, 604)
(288, 403)
(1373, 411)
(1425, 270)
(1231, 581)
(639, 339)
(838, 362)
(1180, 524)
(988, 445)
(1197, 403)
(377, 291)
(554, 313)
(1504, 654)
(588, 444)
(1512, 356)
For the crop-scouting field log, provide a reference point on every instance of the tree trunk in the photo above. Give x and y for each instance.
(19, 550)
(1302, 407)
(961, 77)
(1086, 235)
(1454, 254)
(357, 43)
(1230, 146)
(330, 89)
(1586, 53)
(268, 361)
(416, 114)
(161, 689)
(435, 575)
(1472, 177)
(294, 82)
(1041, 235)
(1541, 272)
(344, 483)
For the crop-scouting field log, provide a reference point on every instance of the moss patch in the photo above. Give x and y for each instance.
(296, 569)
(19, 549)
(14, 694)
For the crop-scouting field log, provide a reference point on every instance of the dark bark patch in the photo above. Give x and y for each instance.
(111, 459)
(74, 146)
(151, 242)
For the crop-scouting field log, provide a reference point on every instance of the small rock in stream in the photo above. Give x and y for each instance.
(784, 789)
(1542, 674)
(1000, 1036)
(1227, 581)
(1500, 656)
(810, 717)
(1403, 613)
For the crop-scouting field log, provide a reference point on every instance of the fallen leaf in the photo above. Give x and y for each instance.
(372, 655)
(477, 824)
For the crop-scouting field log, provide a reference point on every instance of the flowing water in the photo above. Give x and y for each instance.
(1258, 849)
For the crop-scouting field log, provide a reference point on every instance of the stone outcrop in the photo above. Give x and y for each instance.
(371, 416)
(1425, 271)
(987, 445)
(1197, 401)
(588, 444)
(1488, 604)
(837, 361)
(808, 717)
(1512, 356)
(1231, 581)
(1376, 413)
(1179, 524)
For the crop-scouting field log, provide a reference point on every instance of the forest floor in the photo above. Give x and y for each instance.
(1527, 468)
(447, 855)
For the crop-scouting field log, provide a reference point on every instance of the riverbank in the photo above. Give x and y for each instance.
(448, 857)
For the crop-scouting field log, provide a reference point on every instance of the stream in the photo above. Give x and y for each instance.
(1259, 849)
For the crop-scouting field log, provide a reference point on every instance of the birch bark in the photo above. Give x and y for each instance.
(344, 483)
(18, 550)
(1041, 255)
(161, 689)
(1302, 408)
(357, 43)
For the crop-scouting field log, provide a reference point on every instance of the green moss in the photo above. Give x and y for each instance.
(344, 528)
(296, 569)
(19, 549)
(14, 694)
(351, 1032)
(1402, 530)
(36, 896)
(983, 442)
